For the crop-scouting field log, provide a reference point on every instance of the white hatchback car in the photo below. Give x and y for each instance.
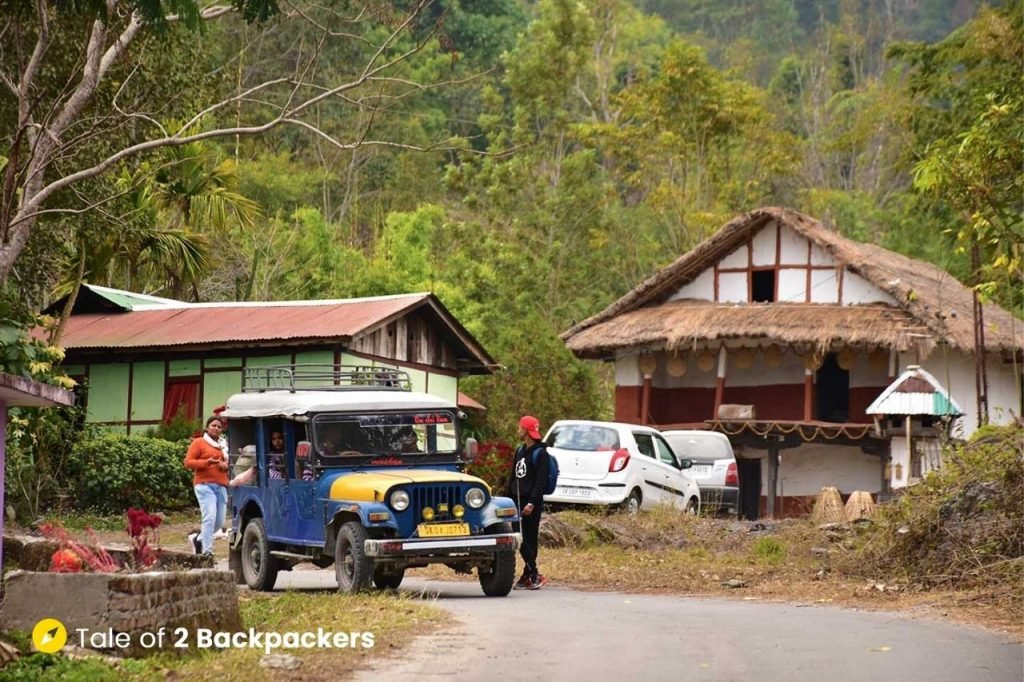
(608, 463)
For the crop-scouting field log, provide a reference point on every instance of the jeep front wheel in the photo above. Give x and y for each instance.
(352, 567)
(259, 568)
(498, 582)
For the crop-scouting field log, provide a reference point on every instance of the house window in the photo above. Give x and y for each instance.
(181, 397)
(833, 391)
(762, 286)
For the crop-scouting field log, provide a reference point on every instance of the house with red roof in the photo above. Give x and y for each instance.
(143, 360)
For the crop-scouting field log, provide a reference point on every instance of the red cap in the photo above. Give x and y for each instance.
(532, 426)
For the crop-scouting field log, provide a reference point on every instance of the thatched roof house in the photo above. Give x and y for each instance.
(928, 305)
(780, 333)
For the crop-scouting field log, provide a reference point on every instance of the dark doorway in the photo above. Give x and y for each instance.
(833, 392)
(750, 487)
(762, 286)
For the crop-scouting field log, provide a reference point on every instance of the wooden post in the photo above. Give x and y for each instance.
(645, 399)
(720, 383)
(773, 474)
(808, 393)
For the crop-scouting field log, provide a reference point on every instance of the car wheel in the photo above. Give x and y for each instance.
(498, 582)
(692, 506)
(352, 567)
(387, 579)
(631, 505)
(258, 568)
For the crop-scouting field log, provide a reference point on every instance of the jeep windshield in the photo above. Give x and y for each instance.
(340, 439)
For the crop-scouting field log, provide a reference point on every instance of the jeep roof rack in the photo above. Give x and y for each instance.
(312, 377)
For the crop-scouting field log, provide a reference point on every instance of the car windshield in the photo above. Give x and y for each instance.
(339, 436)
(585, 437)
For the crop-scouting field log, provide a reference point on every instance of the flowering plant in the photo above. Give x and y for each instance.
(142, 526)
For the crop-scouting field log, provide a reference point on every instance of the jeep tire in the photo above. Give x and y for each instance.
(498, 582)
(259, 568)
(352, 567)
(384, 579)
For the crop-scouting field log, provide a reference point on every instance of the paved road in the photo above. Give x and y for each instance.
(566, 635)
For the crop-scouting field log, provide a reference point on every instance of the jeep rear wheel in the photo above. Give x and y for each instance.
(498, 582)
(387, 579)
(258, 568)
(352, 567)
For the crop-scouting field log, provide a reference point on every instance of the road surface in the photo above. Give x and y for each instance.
(567, 635)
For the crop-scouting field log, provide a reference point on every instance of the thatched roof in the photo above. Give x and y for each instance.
(933, 306)
(679, 325)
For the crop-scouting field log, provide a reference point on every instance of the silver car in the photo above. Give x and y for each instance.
(714, 467)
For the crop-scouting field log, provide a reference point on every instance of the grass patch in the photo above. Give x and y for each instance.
(79, 521)
(393, 620)
(769, 550)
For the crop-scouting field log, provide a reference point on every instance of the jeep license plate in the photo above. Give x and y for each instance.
(434, 530)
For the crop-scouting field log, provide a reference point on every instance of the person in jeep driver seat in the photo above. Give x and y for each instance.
(526, 486)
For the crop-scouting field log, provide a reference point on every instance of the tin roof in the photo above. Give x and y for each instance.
(915, 392)
(135, 322)
(211, 323)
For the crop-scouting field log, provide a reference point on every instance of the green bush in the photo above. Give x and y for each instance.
(111, 473)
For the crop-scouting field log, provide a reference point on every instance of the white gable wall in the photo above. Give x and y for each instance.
(770, 246)
(955, 372)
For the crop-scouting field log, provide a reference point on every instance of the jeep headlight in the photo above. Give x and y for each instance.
(399, 500)
(475, 498)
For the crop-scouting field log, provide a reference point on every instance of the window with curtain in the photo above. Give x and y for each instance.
(181, 397)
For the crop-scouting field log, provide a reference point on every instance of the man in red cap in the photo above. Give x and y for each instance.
(526, 485)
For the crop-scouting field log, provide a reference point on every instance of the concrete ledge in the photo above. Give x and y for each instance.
(122, 602)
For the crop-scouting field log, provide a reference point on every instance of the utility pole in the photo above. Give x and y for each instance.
(980, 373)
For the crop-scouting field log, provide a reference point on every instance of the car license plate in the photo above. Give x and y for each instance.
(568, 491)
(701, 468)
(439, 530)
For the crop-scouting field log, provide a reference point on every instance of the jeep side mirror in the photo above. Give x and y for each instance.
(686, 464)
(472, 450)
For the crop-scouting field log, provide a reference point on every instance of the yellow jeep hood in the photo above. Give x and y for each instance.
(372, 486)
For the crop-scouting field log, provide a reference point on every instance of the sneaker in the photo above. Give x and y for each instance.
(538, 582)
(197, 544)
(221, 534)
(524, 583)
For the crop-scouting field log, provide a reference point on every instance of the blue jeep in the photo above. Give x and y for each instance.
(346, 465)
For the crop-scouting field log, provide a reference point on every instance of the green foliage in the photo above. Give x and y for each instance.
(962, 526)
(37, 667)
(110, 473)
(179, 428)
(769, 550)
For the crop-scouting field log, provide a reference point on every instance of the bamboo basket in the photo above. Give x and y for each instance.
(860, 506)
(828, 508)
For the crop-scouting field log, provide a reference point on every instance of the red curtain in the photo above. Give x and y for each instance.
(181, 396)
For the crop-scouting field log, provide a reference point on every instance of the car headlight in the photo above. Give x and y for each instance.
(475, 498)
(399, 500)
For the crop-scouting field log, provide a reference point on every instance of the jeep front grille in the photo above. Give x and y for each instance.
(434, 495)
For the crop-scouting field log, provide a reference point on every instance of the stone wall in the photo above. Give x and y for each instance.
(131, 603)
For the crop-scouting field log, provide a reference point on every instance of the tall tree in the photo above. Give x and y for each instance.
(47, 146)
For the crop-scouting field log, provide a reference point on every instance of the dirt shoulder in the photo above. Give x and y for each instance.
(793, 561)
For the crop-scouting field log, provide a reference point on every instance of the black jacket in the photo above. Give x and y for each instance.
(527, 480)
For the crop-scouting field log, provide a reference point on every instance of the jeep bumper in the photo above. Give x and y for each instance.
(427, 548)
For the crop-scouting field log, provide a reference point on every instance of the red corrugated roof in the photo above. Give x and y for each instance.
(233, 322)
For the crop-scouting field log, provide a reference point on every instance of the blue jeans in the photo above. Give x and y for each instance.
(213, 505)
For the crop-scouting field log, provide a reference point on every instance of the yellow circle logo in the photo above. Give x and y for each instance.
(49, 635)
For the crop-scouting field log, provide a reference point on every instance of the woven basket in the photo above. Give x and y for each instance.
(860, 506)
(828, 508)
